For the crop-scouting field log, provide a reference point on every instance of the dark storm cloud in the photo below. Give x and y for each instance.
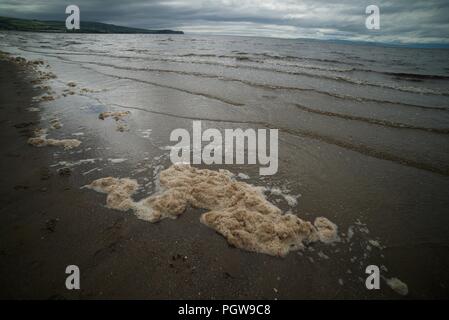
(401, 20)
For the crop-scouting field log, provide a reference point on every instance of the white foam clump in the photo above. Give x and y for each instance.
(375, 243)
(76, 163)
(145, 133)
(118, 160)
(40, 140)
(237, 210)
(243, 176)
(398, 286)
(292, 200)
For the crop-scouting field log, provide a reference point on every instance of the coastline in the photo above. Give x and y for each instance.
(88, 27)
(48, 222)
(29, 192)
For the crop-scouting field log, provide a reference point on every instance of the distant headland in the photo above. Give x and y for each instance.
(14, 24)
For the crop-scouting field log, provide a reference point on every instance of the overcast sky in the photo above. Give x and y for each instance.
(408, 21)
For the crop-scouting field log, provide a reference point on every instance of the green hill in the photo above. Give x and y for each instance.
(14, 24)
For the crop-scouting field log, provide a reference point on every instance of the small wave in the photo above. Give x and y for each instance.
(264, 86)
(204, 55)
(417, 76)
(72, 43)
(404, 75)
(379, 122)
(349, 145)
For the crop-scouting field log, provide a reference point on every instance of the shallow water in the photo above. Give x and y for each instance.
(364, 136)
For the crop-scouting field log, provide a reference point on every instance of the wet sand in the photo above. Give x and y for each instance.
(48, 222)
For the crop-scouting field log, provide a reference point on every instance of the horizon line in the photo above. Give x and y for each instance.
(417, 45)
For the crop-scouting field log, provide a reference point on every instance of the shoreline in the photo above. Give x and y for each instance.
(49, 221)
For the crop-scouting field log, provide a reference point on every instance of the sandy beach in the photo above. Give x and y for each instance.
(371, 157)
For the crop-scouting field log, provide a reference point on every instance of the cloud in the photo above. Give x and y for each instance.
(422, 21)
